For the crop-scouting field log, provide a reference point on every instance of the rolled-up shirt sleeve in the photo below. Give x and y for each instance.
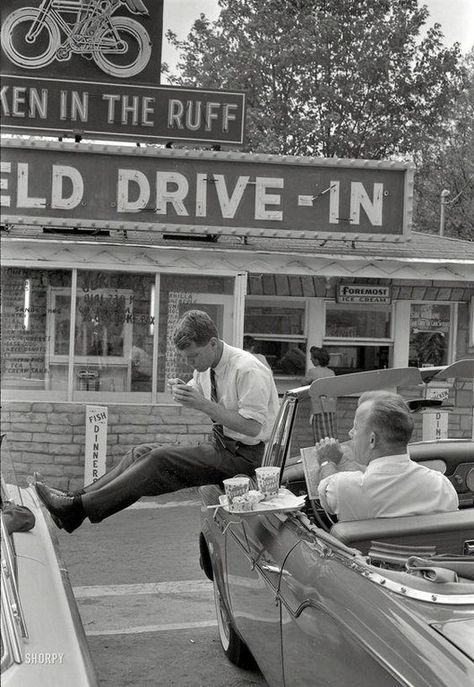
(327, 492)
(253, 392)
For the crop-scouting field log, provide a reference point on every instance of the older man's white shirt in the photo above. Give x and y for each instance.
(391, 486)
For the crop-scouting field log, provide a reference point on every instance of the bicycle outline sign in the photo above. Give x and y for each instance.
(100, 32)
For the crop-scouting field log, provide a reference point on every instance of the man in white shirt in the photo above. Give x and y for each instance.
(230, 386)
(392, 484)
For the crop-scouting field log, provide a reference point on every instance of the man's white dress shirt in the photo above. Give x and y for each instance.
(391, 486)
(244, 384)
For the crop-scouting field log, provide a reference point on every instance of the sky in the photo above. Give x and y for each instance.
(455, 16)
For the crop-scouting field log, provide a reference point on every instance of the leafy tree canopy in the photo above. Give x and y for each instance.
(345, 78)
(448, 164)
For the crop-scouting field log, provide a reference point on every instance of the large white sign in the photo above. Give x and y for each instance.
(96, 443)
(59, 184)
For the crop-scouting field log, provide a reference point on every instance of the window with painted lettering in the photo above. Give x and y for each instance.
(430, 330)
(26, 338)
(86, 334)
(109, 338)
(179, 293)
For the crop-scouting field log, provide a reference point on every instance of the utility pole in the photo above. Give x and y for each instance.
(444, 195)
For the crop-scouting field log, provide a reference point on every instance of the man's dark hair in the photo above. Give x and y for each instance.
(195, 326)
(249, 341)
(319, 354)
(390, 417)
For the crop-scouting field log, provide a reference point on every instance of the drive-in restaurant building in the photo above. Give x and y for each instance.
(105, 247)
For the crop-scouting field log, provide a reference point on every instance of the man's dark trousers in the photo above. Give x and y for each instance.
(150, 470)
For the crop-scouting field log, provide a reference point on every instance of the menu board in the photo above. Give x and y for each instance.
(24, 311)
(175, 366)
(179, 302)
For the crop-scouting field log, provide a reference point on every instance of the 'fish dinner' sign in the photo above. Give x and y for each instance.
(57, 184)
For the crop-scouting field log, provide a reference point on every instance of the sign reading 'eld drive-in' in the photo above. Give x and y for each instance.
(59, 184)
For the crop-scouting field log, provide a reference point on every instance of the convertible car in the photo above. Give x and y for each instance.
(375, 603)
(43, 641)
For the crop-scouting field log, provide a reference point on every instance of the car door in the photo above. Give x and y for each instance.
(324, 637)
(256, 548)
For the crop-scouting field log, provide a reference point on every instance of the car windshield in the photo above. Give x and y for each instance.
(302, 434)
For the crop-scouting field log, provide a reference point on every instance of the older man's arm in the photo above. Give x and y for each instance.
(327, 493)
(329, 454)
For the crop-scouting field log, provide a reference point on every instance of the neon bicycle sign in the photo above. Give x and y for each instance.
(35, 37)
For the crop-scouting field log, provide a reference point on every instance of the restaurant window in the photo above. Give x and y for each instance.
(358, 337)
(111, 334)
(279, 328)
(26, 312)
(430, 327)
(179, 293)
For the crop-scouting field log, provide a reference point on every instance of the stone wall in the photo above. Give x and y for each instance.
(50, 437)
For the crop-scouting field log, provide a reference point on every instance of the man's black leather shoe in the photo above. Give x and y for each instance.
(38, 478)
(64, 511)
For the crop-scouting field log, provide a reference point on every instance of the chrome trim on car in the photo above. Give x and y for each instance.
(8, 571)
(329, 546)
(10, 633)
(418, 594)
(469, 547)
(281, 431)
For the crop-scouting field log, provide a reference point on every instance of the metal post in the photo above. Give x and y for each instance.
(444, 194)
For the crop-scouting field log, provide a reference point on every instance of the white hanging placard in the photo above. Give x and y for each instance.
(435, 424)
(96, 443)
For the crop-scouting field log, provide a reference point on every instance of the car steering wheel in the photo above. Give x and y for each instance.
(317, 508)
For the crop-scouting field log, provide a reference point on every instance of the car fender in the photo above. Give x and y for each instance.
(212, 541)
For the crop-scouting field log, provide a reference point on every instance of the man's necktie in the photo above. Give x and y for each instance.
(217, 430)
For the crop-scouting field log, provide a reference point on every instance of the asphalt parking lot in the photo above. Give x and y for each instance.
(146, 606)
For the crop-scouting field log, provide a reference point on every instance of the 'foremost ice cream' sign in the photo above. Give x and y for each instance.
(363, 293)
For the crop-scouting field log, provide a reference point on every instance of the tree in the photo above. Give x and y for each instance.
(345, 78)
(448, 163)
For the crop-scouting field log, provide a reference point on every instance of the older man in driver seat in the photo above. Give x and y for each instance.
(392, 484)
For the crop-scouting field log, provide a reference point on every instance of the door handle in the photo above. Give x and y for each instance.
(271, 568)
(274, 569)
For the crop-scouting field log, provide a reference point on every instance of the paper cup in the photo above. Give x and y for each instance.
(268, 479)
(235, 486)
